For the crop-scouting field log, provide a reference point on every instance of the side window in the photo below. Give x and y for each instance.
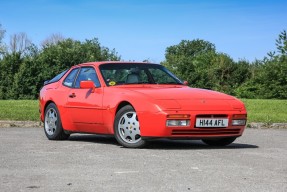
(87, 74)
(71, 78)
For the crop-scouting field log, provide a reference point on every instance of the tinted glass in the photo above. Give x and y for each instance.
(56, 78)
(71, 78)
(87, 74)
(119, 74)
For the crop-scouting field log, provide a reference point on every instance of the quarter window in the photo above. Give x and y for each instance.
(71, 78)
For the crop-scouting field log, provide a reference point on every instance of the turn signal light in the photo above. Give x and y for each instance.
(239, 116)
(239, 119)
(178, 116)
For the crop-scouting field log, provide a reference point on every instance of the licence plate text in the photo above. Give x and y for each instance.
(205, 122)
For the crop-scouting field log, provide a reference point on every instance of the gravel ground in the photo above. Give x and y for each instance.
(257, 161)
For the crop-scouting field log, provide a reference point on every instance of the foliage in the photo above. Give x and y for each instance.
(281, 43)
(268, 79)
(2, 46)
(9, 66)
(24, 66)
(198, 62)
(202, 66)
(22, 73)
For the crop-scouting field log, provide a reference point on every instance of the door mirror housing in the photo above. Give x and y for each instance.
(185, 83)
(87, 85)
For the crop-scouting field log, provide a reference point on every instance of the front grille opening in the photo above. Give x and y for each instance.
(205, 132)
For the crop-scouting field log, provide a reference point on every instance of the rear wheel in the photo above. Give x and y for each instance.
(127, 128)
(219, 142)
(53, 125)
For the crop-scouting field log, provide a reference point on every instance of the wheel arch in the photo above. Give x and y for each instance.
(47, 103)
(45, 107)
(110, 119)
(121, 105)
(64, 123)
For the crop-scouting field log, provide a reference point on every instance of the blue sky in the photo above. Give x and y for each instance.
(138, 29)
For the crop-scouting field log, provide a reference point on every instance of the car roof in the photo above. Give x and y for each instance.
(111, 62)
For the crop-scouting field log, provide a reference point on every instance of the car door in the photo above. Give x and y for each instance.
(84, 105)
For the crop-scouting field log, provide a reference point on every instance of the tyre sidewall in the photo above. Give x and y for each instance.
(59, 128)
(119, 114)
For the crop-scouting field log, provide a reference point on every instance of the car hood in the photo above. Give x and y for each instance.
(186, 98)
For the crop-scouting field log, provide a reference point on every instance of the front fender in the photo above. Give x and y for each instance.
(114, 98)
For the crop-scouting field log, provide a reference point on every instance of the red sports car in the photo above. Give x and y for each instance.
(137, 102)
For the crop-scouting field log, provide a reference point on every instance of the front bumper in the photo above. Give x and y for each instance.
(154, 125)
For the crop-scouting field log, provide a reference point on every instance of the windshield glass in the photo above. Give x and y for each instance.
(121, 74)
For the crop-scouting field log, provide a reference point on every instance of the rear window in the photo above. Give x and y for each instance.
(56, 78)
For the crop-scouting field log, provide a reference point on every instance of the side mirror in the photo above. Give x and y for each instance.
(87, 85)
(185, 83)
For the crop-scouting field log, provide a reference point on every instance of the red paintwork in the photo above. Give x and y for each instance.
(94, 112)
(87, 85)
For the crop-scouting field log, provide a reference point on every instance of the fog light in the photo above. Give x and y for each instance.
(182, 123)
(238, 122)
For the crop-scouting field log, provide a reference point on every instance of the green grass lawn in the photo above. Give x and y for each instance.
(20, 110)
(266, 110)
(259, 110)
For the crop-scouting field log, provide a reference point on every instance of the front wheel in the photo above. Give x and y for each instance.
(53, 125)
(127, 128)
(219, 142)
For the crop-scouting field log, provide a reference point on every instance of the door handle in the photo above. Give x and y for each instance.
(72, 95)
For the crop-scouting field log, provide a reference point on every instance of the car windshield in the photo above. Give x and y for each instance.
(127, 73)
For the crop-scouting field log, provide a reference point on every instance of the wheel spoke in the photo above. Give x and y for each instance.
(51, 119)
(137, 131)
(133, 135)
(129, 127)
(125, 120)
(127, 134)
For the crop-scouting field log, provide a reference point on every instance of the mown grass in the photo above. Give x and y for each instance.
(259, 110)
(19, 110)
(266, 110)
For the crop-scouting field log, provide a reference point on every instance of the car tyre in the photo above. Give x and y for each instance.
(219, 142)
(127, 128)
(53, 125)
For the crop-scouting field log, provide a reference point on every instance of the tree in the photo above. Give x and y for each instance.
(281, 43)
(268, 77)
(55, 58)
(2, 46)
(19, 43)
(9, 66)
(198, 62)
(272, 77)
(24, 69)
(26, 84)
(190, 48)
(187, 57)
(53, 39)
